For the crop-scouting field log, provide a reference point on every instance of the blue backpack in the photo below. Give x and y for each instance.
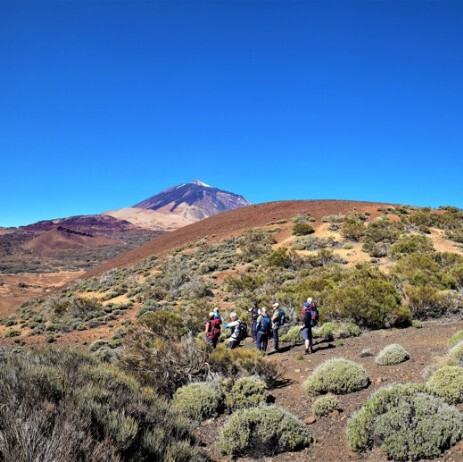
(265, 325)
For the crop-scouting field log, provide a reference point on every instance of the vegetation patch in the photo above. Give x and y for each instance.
(246, 392)
(262, 431)
(448, 384)
(456, 338)
(392, 354)
(337, 376)
(406, 422)
(197, 401)
(325, 405)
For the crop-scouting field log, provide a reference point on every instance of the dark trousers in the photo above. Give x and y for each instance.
(262, 341)
(233, 344)
(254, 330)
(275, 339)
(212, 341)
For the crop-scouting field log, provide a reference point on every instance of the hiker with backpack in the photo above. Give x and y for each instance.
(278, 319)
(263, 329)
(213, 329)
(254, 311)
(310, 312)
(217, 314)
(238, 331)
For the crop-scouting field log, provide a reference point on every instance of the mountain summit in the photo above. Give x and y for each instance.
(193, 201)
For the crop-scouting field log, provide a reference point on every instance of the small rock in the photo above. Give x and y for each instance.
(297, 371)
(310, 420)
(378, 380)
(365, 353)
(335, 413)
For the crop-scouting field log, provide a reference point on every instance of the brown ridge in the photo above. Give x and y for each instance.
(234, 222)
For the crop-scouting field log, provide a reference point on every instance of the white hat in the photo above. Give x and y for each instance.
(276, 305)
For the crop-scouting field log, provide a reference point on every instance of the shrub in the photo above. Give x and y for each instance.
(302, 229)
(324, 405)
(406, 422)
(353, 228)
(293, 335)
(448, 384)
(338, 376)
(392, 354)
(456, 338)
(12, 333)
(197, 401)
(262, 431)
(348, 329)
(326, 331)
(456, 353)
(76, 409)
(246, 392)
(411, 244)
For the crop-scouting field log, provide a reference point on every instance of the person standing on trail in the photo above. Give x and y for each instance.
(254, 311)
(213, 329)
(236, 327)
(278, 319)
(217, 314)
(309, 303)
(310, 320)
(263, 327)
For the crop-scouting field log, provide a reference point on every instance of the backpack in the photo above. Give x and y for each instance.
(314, 316)
(214, 331)
(242, 331)
(265, 325)
(281, 317)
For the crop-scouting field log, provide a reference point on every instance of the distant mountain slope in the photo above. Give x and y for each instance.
(193, 201)
(62, 239)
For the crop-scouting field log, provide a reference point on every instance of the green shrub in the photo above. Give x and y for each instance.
(406, 422)
(392, 354)
(338, 376)
(353, 228)
(262, 431)
(12, 333)
(197, 401)
(293, 335)
(456, 338)
(302, 229)
(411, 244)
(456, 353)
(245, 393)
(448, 384)
(417, 324)
(348, 329)
(326, 331)
(324, 405)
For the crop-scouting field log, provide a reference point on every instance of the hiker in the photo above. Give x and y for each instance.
(310, 320)
(309, 303)
(213, 329)
(217, 314)
(278, 319)
(236, 327)
(254, 315)
(263, 329)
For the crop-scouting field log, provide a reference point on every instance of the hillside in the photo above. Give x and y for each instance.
(382, 275)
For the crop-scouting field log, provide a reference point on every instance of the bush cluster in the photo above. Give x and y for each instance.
(67, 406)
(338, 376)
(262, 431)
(406, 423)
(456, 338)
(391, 355)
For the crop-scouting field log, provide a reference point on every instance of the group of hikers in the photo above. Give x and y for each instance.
(263, 326)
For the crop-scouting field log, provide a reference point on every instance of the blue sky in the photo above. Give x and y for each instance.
(106, 103)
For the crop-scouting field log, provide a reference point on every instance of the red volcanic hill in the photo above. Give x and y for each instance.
(234, 222)
(62, 239)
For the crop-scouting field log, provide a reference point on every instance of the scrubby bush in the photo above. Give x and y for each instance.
(406, 422)
(67, 406)
(448, 384)
(324, 405)
(348, 329)
(197, 401)
(245, 393)
(392, 354)
(411, 244)
(293, 335)
(456, 353)
(326, 331)
(353, 228)
(262, 431)
(302, 229)
(456, 338)
(338, 376)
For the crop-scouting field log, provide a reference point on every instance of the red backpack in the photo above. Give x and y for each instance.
(214, 328)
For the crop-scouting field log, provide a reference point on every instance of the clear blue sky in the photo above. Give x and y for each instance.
(103, 104)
